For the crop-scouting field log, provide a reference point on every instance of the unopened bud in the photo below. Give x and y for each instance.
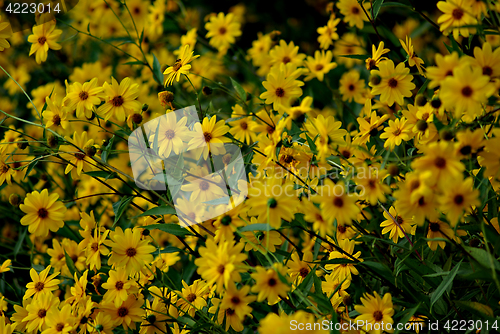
(420, 100)
(52, 140)
(207, 91)
(165, 97)
(21, 145)
(145, 107)
(14, 199)
(375, 79)
(447, 135)
(90, 151)
(393, 169)
(422, 125)
(137, 118)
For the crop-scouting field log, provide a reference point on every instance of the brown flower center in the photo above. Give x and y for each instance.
(177, 66)
(230, 311)
(131, 252)
(221, 269)
(286, 59)
(191, 297)
(222, 30)
(60, 327)
(272, 282)
(351, 87)
(434, 227)
(170, 134)
(440, 162)
(355, 10)
(42, 40)
(94, 246)
(235, 300)
(378, 315)
(43, 213)
(393, 83)
(208, 137)
(457, 13)
(56, 120)
(204, 185)
(39, 286)
(244, 125)
(119, 285)
(338, 202)
(397, 132)
(304, 272)
(487, 71)
(459, 199)
(83, 95)
(341, 228)
(280, 92)
(319, 67)
(42, 313)
(122, 311)
(117, 101)
(467, 91)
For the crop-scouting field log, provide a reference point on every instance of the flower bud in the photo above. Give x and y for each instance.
(137, 118)
(375, 79)
(21, 145)
(420, 100)
(14, 199)
(90, 151)
(165, 97)
(207, 91)
(52, 141)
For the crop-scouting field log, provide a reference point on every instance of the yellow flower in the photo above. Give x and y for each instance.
(269, 285)
(286, 53)
(55, 116)
(181, 66)
(83, 98)
(441, 230)
(395, 83)
(118, 287)
(4, 327)
(328, 33)
(222, 31)
(209, 137)
(458, 196)
(60, 321)
(5, 266)
(444, 68)
(299, 269)
(413, 60)
(43, 213)
(375, 313)
(44, 36)
(457, 15)
(395, 232)
(5, 32)
(128, 313)
(320, 65)
(129, 251)
(76, 154)
(343, 271)
(238, 300)
(41, 283)
(6, 172)
(397, 131)
(376, 57)
(243, 127)
(120, 99)
(192, 297)
(171, 135)
(352, 87)
(38, 310)
(353, 13)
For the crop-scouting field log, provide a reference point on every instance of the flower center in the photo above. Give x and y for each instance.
(170, 134)
(80, 155)
(191, 297)
(208, 137)
(235, 300)
(272, 203)
(459, 199)
(338, 202)
(319, 67)
(204, 185)
(355, 10)
(393, 83)
(42, 313)
(397, 132)
(83, 95)
(222, 30)
(56, 120)
(43, 213)
(119, 285)
(177, 66)
(42, 40)
(434, 227)
(378, 315)
(457, 13)
(230, 311)
(487, 71)
(221, 269)
(39, 286)
(440, 162)
(244, 125)
(341, 228)
(466, 150)
(131, 252)
(399, 220)
(60, 327)
(280, 92)
(94, 246)
(467, 91)
(117, 101)
(351, 87)
(122, 311)
(272, 282)
(303, 272)
(286, 59)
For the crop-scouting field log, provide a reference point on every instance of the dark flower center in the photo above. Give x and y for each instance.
(280, 92)
(222, 30)
(457, 13)
(440, 162)
(351, 87)
(467, 91)
(39, 286)
(170, 134)
(43, 213)
(42, 313)
(208, 136)
(393, 83)
(56, 120)
(487, 71)
(286, 59)
(60, 327)
(459, 199)
(466, 150)
(304, 272)
(378, 315)
(272, 282)
(42, 40)
(338, 202)
(319, 67)
(191, 297)
(434, 227)
(119, 285)
(235, 300)
(131, 252)
(244, 125)
(204, 185)
(117, 101)
(83, 95)
(122, 311)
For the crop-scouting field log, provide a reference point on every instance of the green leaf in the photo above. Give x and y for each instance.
(311, 143)
(395, 4)
(237, 87)
(171, 249)
(159, 211)
(484, 258)
(106, 149)
(30, 168)
(71, 265)
(157, 74)
(380, 269)
(255, 227)
(120, 206)
(360, 57)
(169, 228)
(424, 87)
(20, 241)
(133, 63)
(444, 284)
(377, 4)
(407, 317)
(475, 307)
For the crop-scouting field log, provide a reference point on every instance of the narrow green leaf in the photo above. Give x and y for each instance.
(157, 74)
(237, 87)
(159, 211)
(120, 206)
(106, 150)
(377, 4)
(30, 168)
(255, 227)
(20, 241)
(171, 249)
(103, 174)
(169, 228)
(444, 284)
(71, 265)
(484, 258)
(380, 269)
(407, 317)
(311, 143)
